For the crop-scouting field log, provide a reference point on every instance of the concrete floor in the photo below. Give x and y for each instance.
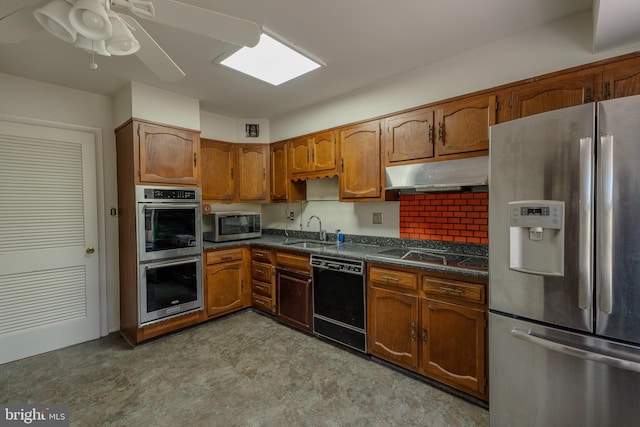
(242, 370)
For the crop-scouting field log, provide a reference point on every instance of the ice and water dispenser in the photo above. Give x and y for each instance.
(536, 235)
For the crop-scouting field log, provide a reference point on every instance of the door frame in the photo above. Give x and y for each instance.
(100, 199)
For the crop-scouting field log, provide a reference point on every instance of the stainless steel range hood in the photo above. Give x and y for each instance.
(447, 175)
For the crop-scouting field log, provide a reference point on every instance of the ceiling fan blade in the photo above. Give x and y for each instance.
(152, 55)
(206, 22)
(18, 23)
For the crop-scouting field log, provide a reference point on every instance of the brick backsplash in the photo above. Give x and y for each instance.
(453, 217)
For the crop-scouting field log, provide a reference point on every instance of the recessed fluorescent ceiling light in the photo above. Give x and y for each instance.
(270, 61)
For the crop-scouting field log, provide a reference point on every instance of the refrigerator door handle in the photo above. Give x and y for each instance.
(605, 225)
(585, 226)
(612, 361)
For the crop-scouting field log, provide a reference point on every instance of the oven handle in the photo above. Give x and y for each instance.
(171, 263)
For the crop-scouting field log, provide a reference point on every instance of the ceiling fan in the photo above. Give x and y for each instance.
(107, 28)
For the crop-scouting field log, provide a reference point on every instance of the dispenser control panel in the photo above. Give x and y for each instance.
(536, 213)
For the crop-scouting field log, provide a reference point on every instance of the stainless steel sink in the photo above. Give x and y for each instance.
(310, 244)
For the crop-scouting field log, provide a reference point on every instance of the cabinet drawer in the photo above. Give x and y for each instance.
(297, 262)
(261, 302)
(261, 255)
(395, 278)
(472, 292)
(216, 257)
(261, 272)
(261, 288)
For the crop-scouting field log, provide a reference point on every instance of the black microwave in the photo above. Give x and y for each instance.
(234, 226)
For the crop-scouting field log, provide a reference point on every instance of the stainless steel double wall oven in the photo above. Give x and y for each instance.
(169, 236)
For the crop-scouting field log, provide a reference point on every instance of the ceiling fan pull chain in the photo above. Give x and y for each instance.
(93, 65)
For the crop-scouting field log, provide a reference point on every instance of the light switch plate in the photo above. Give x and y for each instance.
(377, 217)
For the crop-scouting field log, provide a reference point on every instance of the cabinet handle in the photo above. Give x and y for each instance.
(259, 271)
(231, 173)
(607, 90)
(441, 132)
(395, 279)
(589, 96)
(264, 172)
(226, 258)
(313, 155)
(424, 335)
(413, 331)
(448, 289)
(341, 165)
(194, 159)
(431, 133)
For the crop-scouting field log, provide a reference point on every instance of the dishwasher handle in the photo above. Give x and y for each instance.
(545, 342)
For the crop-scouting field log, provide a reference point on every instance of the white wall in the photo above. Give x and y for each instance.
(322, 200)
(222, 128)
(32, 99)
(556, 46)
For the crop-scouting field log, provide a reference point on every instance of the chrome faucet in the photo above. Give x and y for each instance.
(323, 233)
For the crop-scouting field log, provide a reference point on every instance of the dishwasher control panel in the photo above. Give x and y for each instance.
(338, 264)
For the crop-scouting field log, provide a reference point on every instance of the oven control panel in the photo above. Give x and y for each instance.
(168, 194)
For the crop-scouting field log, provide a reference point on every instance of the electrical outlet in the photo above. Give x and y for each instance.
(377, 217)
(291, 216)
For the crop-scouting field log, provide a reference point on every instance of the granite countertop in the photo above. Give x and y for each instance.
(369, 252)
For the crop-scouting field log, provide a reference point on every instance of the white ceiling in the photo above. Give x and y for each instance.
(361, 41)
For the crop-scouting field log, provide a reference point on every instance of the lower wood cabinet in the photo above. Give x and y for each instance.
(227, 283)
(435, 326)
(294, 290)
(263, 280)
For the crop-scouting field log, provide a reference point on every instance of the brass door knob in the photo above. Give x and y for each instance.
(90, 250)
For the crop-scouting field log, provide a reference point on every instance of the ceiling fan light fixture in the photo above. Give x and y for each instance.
(54, 17)
(89, 18)
(122, 41)
(91, 46)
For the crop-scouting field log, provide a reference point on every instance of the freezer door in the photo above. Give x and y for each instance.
(548, 156)
(618, 239)
(542, 376)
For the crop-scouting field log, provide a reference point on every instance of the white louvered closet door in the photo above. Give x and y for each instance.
(48, 220)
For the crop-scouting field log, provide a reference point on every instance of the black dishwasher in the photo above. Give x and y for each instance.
(339, 300)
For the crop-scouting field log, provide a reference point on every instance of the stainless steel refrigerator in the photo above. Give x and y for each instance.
(564, 267)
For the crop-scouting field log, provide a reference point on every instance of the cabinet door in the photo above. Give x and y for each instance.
(253, 167)
(218, 164)
(453, 345)
(552, 94)
(225, 288)
(622, 79)
(360, 176)
(279, 178)
(409, 136)
(167, 155)
(299, 156)
(392, 326)
(323, 151)
(294, 300)
(463, 126)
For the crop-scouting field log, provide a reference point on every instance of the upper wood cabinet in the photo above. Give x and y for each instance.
(551, 94)
(313, 155)
(218, 160)
(409, 136)
(235, 172)
(253, 169)
(161, 154)
(621, 79)
(463, 126)
(360, 162)
(282, 188)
